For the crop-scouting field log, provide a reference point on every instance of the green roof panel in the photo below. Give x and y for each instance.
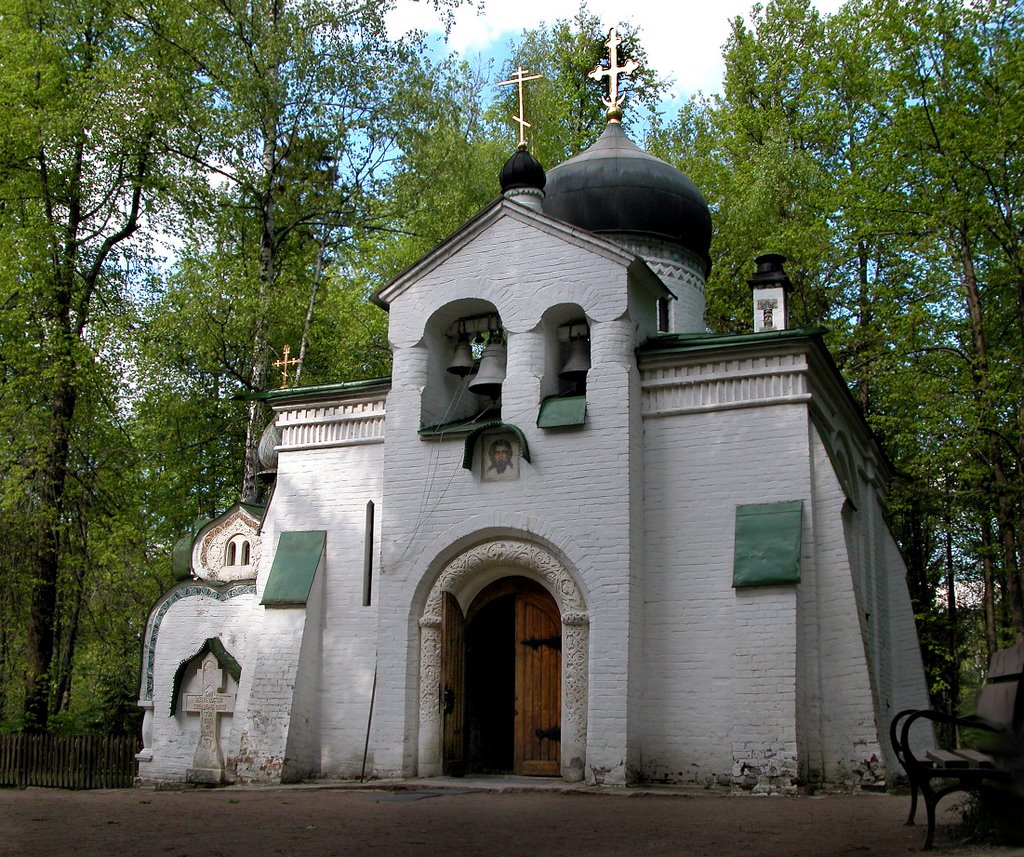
(768, 541)
(557, 411)
(291, 575)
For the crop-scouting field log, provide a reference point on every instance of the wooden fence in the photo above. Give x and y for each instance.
(55, 761)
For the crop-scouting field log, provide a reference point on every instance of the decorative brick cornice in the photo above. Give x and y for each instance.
(330, 424)
(694, 386)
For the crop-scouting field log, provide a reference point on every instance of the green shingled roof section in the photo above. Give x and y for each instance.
(291, 575)
(768, 541)
(556, 411)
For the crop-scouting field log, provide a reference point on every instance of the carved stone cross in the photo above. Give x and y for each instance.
(208, 763)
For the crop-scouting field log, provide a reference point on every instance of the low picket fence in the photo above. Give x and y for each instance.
(68, 762)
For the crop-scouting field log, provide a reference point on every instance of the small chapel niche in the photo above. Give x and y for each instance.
(467, 354)
(566, 365)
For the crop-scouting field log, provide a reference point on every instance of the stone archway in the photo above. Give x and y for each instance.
(462, 574)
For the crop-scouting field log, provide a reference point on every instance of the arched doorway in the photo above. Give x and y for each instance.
(502, 682)
(464, 589)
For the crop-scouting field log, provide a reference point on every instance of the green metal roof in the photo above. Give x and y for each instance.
(768, 541)
(671, 343)
(315, 391)
(461, 426)
(558, 411)
(295, 563)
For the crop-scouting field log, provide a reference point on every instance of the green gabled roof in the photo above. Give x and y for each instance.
(474, 436)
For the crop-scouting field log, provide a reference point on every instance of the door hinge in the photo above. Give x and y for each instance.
(552, 642)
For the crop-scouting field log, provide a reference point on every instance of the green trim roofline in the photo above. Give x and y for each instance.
(672, 343)
(665, 344)
(314, 392)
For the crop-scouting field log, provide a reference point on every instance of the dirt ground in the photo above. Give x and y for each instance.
(494, 819)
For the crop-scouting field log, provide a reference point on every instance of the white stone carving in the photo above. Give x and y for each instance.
(209, 555)
(456, 577)
(209, 703)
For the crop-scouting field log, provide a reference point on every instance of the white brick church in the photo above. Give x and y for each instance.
(574, 535)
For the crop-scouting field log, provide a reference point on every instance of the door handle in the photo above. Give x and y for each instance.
(449, 700)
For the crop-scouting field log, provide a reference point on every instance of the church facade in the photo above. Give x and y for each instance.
(573, 535)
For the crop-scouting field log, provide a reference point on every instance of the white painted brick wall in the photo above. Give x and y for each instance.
(699, 467)
(578, 482)
(328, 489)
(184, 628)
(689, 679)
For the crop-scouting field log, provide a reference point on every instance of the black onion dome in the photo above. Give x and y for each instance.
(616, 187)
(522, 170)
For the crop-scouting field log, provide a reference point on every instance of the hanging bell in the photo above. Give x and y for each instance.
(492, 371)
(578, 361)
(462, 363)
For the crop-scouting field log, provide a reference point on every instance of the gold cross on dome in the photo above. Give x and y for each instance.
(284, 363)
(613, 102)
(520, 77)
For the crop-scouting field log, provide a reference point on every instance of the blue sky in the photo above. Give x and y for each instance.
(683, 38)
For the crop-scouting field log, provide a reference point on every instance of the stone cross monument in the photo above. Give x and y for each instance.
(208, 763)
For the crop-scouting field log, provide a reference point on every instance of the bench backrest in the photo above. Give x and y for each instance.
(1001, 701)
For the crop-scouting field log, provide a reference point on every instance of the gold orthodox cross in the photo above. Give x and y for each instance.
(521, 76)
(613, 102)
(284, 363)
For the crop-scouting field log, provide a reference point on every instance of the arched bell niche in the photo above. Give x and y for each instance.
(456, 337)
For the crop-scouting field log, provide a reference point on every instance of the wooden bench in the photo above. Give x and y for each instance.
(999, 717)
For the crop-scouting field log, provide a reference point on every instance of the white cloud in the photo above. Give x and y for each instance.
(683, 38)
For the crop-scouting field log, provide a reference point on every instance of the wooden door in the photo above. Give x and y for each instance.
(453, 686)
(538, 685)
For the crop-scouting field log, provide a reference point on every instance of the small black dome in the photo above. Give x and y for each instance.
(615, 187)
(522, 170)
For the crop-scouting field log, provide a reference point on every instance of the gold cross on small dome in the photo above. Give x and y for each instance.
(521, 76)
(613, 102)
(284, 363)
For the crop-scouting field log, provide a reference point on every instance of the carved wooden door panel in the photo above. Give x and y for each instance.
(538, 685)
(453, 686)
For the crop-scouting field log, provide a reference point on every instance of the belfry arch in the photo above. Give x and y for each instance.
(463, 577)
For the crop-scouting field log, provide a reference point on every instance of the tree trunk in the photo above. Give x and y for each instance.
(267, 280)
(45, 559)
(993, 453)
(989, 593)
